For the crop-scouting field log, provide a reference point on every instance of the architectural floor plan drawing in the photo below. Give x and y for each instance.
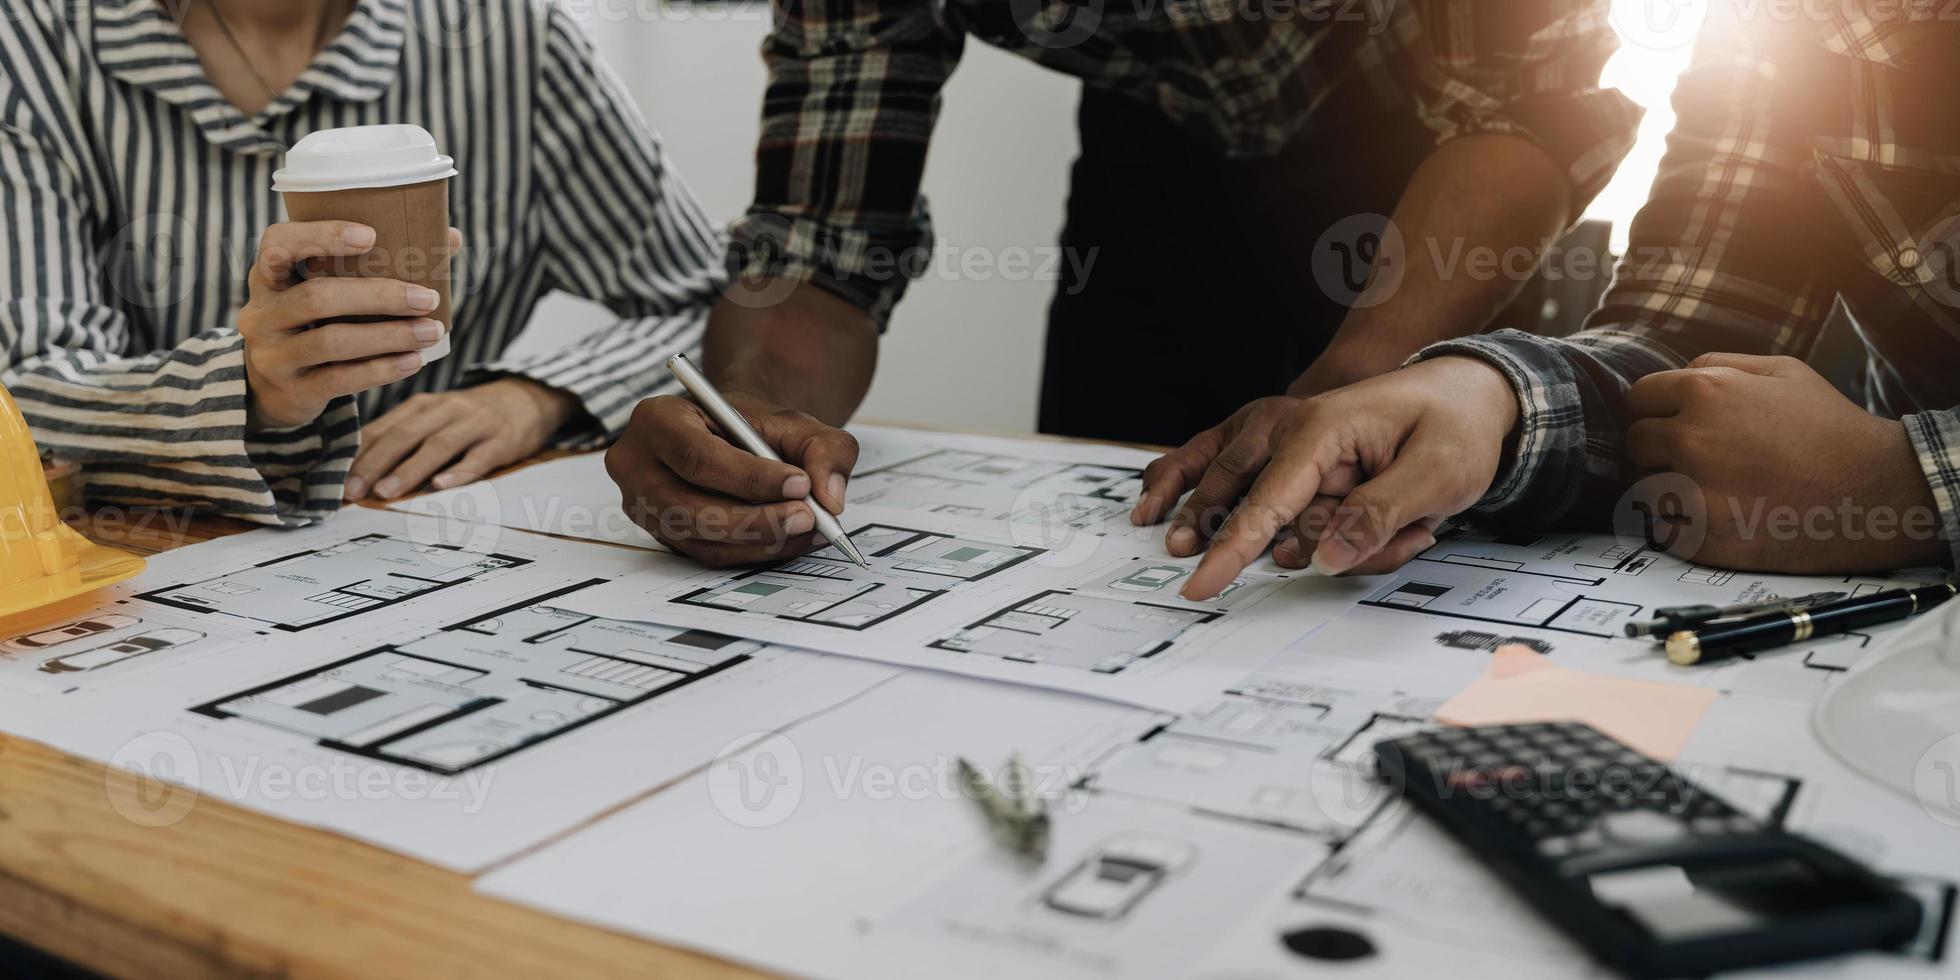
(908, 567)
(1450, 653)
(999, 487)
(1159, 579)
(1097, 614)
(1287, 749)
(1578, 584)
(1246, 759)
(1081, 631)
(477, 691)
(100, 641)
(573, 497)
(393, 725)
(930, 877)
(1571, 597)
(320, 586)
(1122, 613)
(1517, 597)
(88, 648)
(1128, 889)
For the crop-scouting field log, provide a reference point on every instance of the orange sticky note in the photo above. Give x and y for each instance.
(1522, 686)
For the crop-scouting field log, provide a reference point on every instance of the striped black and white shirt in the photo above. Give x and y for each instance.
(133, 195)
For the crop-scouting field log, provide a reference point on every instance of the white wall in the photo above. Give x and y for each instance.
(964, 349)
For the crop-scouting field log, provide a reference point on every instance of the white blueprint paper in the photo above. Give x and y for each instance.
(1279, 760)
(1256, 820)
(847, 857)
(572, 497)
(1093, 607)
(804, 853)
(1064, 608)
(1570, 596)
(414, 684)
(903, 468)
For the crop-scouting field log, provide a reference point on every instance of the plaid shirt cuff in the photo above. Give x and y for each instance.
(1551, 434)
(866, 268)
(1936, 438)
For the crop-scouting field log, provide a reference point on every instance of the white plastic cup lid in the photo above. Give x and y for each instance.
(362, 156)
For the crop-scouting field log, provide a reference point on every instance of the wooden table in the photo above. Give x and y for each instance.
(228, 891)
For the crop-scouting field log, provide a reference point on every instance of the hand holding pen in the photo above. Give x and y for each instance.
(688, 480)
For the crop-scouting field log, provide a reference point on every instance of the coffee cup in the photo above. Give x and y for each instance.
(392, 179)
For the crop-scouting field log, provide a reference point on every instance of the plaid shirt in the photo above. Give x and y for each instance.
(854, 90)
(1814, 161)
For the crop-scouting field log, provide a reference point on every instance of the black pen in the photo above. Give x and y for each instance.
(1669, 620)
(1795, 626)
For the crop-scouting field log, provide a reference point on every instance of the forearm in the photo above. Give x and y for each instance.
(812, 352)
(1474, 223)
(853, 95)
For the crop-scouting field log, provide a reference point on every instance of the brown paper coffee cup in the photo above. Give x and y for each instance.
(391, 179)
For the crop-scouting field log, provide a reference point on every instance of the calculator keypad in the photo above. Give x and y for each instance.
(1563, 791)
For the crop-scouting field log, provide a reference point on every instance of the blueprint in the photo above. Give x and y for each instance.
(1584, 585)
(360, 576)
(1247, 837)
(1095, 614)
(804, 852)
(741, 760)
(900, 468)
(1101, 614)
(570, 497)
(1570, 596)
(1269, 773)
(84, 645)
(470, 694)
(414, 683)
(908, 567)
(1005, 487)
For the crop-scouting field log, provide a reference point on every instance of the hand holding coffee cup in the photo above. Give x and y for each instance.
(294, 368)
(354, 291)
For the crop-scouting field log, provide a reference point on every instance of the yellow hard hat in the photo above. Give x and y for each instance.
(42, 560)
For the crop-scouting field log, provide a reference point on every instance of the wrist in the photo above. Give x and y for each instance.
(1346, 361)
(1479, 386)
(1329, 373)
(264, 414)
(811, 352)
(552, 407)
(754, 385)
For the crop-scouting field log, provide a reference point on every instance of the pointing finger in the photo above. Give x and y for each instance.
(1287, 486)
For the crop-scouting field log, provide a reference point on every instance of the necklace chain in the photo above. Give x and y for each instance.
(224, 27)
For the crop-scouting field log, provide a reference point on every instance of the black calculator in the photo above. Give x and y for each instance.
(1654, 876)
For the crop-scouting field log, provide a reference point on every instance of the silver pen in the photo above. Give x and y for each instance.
(732, 422)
